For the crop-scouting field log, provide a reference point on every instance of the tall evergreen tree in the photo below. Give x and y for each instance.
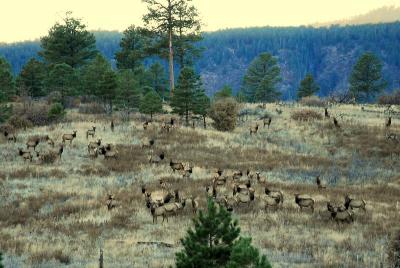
(184, 98)
(134, 48)
(64, 79)
(214, 242)
(91, 74)
(108, 88)
(225, 92)
(129, 93)
(366, 78)
(68, 42)
(7, 88)
(32, 78)
(308, 87)
(164, 17)
(261, 79)
(158, 81)
(201, 105)
(151, 103)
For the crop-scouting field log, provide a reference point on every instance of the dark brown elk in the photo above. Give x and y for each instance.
(336, 123)
(32, 143)
(304, 201)
(69, 137)
(91, 132)
(112, 125)
(340, 213)
(146, 125)
(10, 137)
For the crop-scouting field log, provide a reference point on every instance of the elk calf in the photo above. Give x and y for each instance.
(91, 132)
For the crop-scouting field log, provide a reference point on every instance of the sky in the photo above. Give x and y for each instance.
(30, 19)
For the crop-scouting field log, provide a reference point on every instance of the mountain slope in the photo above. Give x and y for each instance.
(327, 53)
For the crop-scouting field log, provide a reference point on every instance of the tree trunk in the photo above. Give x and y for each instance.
(171, 64)
(204, 121)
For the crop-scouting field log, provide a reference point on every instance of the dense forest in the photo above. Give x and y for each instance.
(327, 53)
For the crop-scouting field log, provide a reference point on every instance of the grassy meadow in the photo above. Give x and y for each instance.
(55, 215)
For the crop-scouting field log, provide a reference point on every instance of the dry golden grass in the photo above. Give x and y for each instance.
(53, 215)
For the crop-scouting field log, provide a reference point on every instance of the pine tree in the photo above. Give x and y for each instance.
(32, 78)
(64, 79)
(261, 79)
(158, 81)
(308, 87)
(68, 43)
(91, 73)
(6, 81)
(1, 260)
(151, 104)
(134, 48)
(225, 92)
(129, 93)
(108, 87)
(184, 98)
(366, 78)
(215, 242)
(201, 105)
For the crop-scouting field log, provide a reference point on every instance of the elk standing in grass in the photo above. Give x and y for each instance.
(352, 203)
(254, 129)
(319, 183)
(111, 203)
(94, 145)
(10, 137)
(26, 155)
(32, 143)
(91, 132)
(267, 121)
(304, 201)
(155, 159)
(69, 137)
(389, 122)
(336, 123)
(176, 166)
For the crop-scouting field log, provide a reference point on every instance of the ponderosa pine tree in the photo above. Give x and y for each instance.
(151, 103)
(134, 48)
(164, 18)
(7, 88)
(91, 74)
(225, 92)
(308, 87)
(261, 79)
(63, 79)
(201, 105)
(129, 93)
(366, 78)
(68, 42)
(183, 101)
(215, 242)
(108, 88)
(32, 78)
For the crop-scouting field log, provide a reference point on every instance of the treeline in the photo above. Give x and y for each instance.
(327, 53)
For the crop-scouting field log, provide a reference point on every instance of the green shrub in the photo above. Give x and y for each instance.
(224, 113)
(56, 111)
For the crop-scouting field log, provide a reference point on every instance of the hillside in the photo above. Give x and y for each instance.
(328, 53)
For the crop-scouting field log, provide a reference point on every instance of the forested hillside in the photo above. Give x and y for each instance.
(328, 53)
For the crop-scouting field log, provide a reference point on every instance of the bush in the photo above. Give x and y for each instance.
(56, 112)
(49, 157)
(91, 108)
(313, 101)
(224, 113)
(38, 114)
(306, 115)
(393, 99)
(19, 122)
(5, 112)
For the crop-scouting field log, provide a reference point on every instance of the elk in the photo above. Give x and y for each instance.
(111, 203)
(155, 159)
(277, 195)
(91, 132)
(108, 152)
(69, 137)
(354, 203)
(10, 137)
(268, 123)
(93, 145)
(145, 125)
(304, 201)
(176, 166)
(319, 183)
(32, 143)
(326, 113)
(156, 197)
(336, 123)
(26, 155)
(112, 125)
(148, 143)
(254, 129)
(389, 122)
(50, 142)
(60, 150)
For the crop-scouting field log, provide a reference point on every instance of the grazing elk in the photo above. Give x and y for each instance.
(354, 203)
(10, 137)
(111, 203)
(108, 152)
(277, 195)
(254, 129)
(91, 132)
(336, 123)
(32, 143)
(155, 159)
(69, 137)
(340, 213)
(94, 145)
(304, 201)
(26, 155)
(176, 166)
